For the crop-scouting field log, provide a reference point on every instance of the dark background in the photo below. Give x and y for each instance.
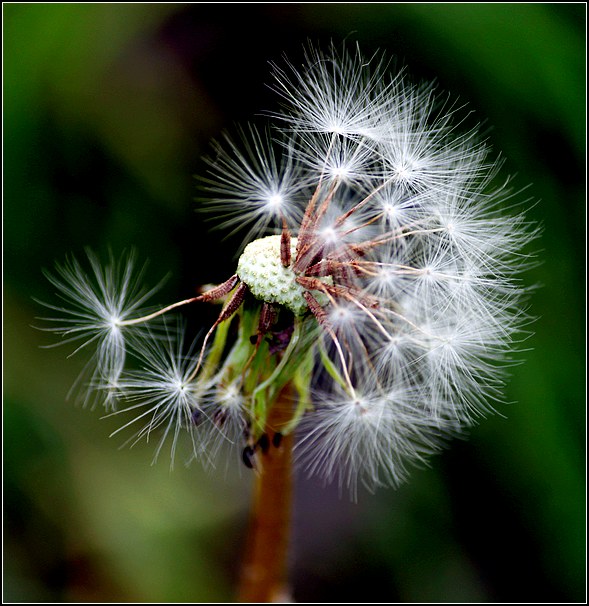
(108, 110)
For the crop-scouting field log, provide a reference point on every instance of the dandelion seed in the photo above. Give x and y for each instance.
(249, 186)
(160, 395)
(96, 307)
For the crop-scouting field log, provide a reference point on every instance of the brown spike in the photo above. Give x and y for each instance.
(285, 245)
(233, 304)
(315, 308)
(219, 291)
(267, 318)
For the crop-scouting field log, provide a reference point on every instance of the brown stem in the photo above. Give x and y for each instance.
(264, 572)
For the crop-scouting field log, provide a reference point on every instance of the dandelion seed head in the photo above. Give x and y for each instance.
(379, 273)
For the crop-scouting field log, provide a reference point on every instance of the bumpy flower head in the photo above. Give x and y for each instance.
(378, 279)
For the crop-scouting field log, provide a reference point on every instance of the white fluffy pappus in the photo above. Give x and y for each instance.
(95, 307)
(159, 395)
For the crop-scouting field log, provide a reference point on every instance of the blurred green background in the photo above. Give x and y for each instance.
(108, 109)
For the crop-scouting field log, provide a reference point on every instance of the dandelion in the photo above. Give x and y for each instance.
(377, 296)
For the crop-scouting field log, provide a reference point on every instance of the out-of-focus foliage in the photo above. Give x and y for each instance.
(107, 111)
